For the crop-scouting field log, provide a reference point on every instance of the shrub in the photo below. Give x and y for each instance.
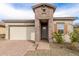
(74, 36)
(58, 37)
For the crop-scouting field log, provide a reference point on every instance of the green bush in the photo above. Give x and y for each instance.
(74, 36)
(58, 37)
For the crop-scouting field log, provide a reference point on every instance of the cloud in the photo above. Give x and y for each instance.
(10, 13)
(71, 11)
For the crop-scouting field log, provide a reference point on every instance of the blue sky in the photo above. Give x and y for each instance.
(24, 10)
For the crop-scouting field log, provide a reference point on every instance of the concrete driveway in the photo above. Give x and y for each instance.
(15, 47)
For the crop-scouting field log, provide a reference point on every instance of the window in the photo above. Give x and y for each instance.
(60, 27)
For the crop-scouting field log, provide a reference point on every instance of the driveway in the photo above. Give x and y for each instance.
(15, 47)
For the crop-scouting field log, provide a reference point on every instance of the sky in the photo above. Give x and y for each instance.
(24, 10)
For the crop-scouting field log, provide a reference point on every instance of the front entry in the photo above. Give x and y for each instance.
(44, 31)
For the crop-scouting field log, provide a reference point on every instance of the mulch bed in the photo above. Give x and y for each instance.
(67, 46)
(61, 47)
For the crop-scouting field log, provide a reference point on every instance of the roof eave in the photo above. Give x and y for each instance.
(64, 18)
(18, 21)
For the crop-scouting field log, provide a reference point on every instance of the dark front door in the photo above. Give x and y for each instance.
(44, 31)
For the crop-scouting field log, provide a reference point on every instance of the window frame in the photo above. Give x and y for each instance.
(63, 25)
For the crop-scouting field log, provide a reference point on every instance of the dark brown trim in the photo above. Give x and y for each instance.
(55, 28)
(60, 22)
(64, 18)
(18, 21)
(21, 25)
(8, 32)
(2, 26)
(65, 28)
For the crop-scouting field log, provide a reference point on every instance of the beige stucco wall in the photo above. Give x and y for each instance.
(7, 29)
(66, 37)
(69, 28)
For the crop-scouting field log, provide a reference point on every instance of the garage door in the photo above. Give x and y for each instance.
(22, 33)
(30, 33)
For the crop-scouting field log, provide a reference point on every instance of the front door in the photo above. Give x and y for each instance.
(44, 31)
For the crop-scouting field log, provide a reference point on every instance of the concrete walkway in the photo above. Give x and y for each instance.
(43, 45)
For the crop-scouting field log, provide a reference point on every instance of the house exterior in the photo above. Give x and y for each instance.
(2, 30)
(40, 28)
(76, 28)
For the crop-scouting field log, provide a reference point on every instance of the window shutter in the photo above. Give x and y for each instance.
(55, 27)
(65, 29)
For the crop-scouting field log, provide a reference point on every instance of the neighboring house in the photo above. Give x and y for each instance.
(76, 27)
(2, 30)
(40, 28)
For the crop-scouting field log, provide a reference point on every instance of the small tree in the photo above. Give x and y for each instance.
(74, 36)
(58, 37)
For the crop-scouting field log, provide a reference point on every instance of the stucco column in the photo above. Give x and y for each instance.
(50, 30)
(7, 29)
(37, 30)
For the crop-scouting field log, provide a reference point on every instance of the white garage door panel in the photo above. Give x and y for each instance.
(22, 33)
(30, 33)
(17, 33)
